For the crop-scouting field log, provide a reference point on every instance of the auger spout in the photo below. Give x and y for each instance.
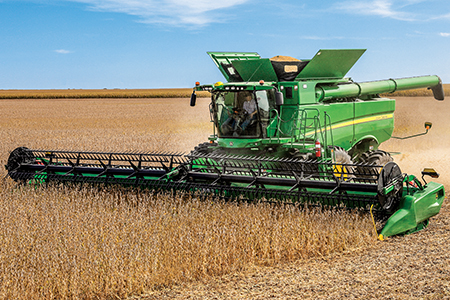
(346, 90)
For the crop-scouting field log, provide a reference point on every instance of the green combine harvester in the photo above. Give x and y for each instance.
(285, 130)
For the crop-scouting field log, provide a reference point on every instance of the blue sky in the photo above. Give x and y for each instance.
(163, 43)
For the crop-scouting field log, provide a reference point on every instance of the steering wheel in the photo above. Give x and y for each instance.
(242, 114)
(237, 113)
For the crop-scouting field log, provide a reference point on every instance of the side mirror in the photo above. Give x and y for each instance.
(193, 98)
(430, 172)
(279, 100)
(427, 127)
(438, 91)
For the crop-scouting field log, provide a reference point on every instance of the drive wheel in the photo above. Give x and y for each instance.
(305, 160)
(376, 157)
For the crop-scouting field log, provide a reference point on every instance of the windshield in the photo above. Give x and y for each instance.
(242, 114)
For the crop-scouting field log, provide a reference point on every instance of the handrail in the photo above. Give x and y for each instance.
(280, 121)
(331, 129)
(303, 121)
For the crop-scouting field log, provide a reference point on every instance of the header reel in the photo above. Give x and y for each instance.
(350, 186)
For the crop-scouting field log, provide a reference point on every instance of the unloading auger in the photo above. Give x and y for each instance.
(305, 135)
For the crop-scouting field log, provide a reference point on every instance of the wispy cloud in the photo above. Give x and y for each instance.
(445, 34)
(382, 8)
(63, 51)
(321, 38)
(445, 16)
(194, 13)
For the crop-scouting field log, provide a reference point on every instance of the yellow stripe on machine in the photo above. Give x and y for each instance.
(356, 121)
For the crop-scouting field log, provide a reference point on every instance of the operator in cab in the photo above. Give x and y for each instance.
(242, 116)
(250, 108)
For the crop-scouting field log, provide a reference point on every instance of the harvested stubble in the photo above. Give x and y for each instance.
(65, 243)
(62, 242)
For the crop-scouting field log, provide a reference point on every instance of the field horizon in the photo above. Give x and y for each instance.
(150, 93)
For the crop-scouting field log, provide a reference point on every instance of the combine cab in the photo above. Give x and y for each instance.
(285, 130)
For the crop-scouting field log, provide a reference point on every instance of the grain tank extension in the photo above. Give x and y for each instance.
(285, 130)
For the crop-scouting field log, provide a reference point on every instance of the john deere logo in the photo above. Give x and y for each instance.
(231, 143)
